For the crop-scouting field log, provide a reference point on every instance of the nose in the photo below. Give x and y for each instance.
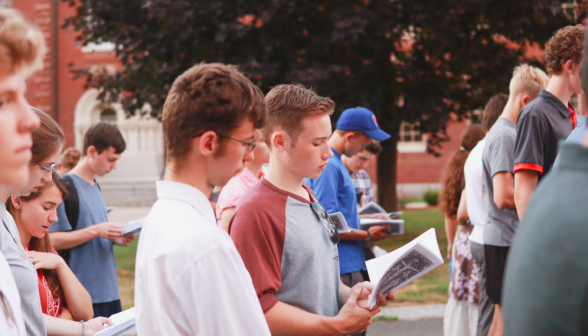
(28, 119)
(53, 216)
(248, 156)
(328, 153)
(48, 178)
(114, 165)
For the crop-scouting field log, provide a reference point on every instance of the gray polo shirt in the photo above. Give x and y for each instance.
(498, 156)
(541, 125)
(24, 274)
(546, 279)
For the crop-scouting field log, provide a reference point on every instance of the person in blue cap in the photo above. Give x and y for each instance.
(356, 128)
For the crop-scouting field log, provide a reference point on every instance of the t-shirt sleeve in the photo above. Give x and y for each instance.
(259, 237)
(62, 223)
(529, 144)
(501, 155)
(326, 188)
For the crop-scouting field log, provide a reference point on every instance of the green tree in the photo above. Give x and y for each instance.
(415, 61)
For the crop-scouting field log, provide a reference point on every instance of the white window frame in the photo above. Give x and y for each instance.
(413, 146)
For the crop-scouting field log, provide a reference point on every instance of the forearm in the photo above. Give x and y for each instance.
(449, 229)
(525, 184)
(284, 320)
(66, 314)
(60, 327)
(344, 292)
(65, 240)
(355, 234)
(79, 301)
(462, 210)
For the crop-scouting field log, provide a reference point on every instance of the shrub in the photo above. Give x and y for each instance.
(431, 197)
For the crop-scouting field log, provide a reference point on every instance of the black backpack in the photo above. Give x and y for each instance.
(72, 210)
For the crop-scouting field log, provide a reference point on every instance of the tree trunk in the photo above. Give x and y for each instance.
(387, 161)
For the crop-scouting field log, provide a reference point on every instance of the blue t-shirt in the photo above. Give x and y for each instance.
(336, 192)
(92, 262)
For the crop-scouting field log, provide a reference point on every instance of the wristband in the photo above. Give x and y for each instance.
(369, 237)
(83, 328)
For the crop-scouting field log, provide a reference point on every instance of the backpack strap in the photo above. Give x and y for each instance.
(72, 210)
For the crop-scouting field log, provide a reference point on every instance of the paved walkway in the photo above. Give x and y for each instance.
(414, 312)
(426, 327)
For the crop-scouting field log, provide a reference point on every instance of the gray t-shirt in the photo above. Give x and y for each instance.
(498, 157)
(92, 262)
(24, 274)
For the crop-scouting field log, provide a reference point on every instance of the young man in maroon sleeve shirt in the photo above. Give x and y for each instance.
(284, 235)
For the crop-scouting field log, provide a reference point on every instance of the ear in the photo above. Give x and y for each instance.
(525, 99)
(207, 144)
(16, 202)
(278, 141)
(91, 151)
(349, 136)
(569, 67)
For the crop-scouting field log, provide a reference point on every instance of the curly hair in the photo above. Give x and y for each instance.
(452, 176)
(564, 45)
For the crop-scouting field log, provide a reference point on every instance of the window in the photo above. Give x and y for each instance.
(411, 140)
(108, 115)
(6, 3)
(571, 9)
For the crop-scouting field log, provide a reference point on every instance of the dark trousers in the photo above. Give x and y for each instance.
(107, 309)
(350, 280)
(486, 307)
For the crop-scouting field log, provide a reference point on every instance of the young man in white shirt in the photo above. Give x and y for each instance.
(190, 279)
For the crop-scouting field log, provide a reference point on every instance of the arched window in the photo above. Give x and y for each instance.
(108, 115)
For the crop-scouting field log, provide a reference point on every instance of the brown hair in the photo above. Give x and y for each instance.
(44, 244)
(70, 158)
(493, 110)
(452, 182)
(288, 105)
(103, 136)
(22, 47)
(215, 97)
(564, 45)
(374, 148)
(47, 139)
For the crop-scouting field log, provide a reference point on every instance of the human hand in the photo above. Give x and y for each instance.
(380, 216)
(43, 260)
(353, 319)
(124, 239)
(377, 234)
(95, 325)
(368, 289)
(109, 230)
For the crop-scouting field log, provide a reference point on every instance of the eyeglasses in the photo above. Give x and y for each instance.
(250, 144)
(47, 169)
(326, 221)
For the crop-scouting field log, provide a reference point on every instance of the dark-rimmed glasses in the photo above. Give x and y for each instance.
(326, 221)
(250, 144)
(47, 169)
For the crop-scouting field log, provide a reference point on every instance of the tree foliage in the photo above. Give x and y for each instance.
(406, 60)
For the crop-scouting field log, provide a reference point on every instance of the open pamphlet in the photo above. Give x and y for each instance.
(396, 226)
(371, 208)
(134, 227)
(340, 222)
(124, 322)
(404, 265)
(395, 214)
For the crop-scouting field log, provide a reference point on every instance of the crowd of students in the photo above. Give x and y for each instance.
(270, 261)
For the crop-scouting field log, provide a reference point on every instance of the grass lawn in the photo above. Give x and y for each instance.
(431, 288)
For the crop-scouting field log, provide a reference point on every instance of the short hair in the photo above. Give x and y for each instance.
(209, 97)
(564, 45)
(103, 136)
(528, 79)
(288, 105)
(493, 110)
(70, 158)
(47, 139)
(22, 47)
(374, 148)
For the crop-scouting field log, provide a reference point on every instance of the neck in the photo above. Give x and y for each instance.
(279, 174)
(558, 86)
(84, 171)
(190, 174)
(25, 237)
(511, 111)
(4, 194)
(254, 167)
(337, 142)
(345, 161)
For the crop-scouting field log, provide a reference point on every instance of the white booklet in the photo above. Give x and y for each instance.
(396, 226)
(404, 265)
(123, 323)
(134, 227)
(395, 214)
(371, 208)
(340, 222)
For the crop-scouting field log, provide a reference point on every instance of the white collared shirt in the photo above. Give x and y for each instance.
(190, 279)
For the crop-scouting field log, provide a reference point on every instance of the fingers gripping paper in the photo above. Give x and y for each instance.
(404, 265)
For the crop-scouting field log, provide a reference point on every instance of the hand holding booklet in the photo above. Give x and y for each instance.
(404, 265)
(134, 227)
(123, 323)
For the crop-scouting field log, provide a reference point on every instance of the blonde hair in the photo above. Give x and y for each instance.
(528, 79)
(22, 47)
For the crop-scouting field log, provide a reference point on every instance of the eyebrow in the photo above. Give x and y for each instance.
(49, 202)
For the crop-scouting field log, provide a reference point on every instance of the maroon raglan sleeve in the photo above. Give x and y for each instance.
(258, 229)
